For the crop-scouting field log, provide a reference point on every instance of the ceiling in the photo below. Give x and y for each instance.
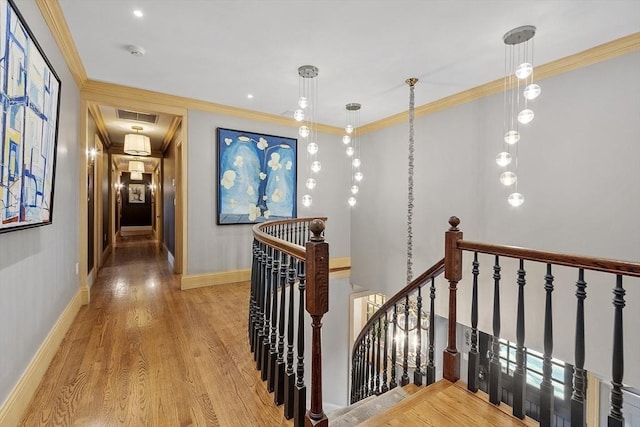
(222, 50)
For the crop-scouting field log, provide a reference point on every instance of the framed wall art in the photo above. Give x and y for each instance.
(257, 176)
(136, 193)
(30, 94)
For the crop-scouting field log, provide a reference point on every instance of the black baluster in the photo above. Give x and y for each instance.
(372, 365)
(616, 419)
(385, 354)
(404, 380)
(578, 405)
(367, 367)
(300, 396)
(474, 356)
(519, 375)
(378, 351)
(267, 316)
(252, 295)
(417, 372)
(495, 370)
(280, 365)
(360, 372)
(261, 305)
(547, 417)
(354, 368)
(273, 337)
(431, 366)
(290, 381)
(393, 384)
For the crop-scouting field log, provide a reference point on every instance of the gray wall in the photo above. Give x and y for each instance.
(217, 248)
(578, 169)
(37, 265)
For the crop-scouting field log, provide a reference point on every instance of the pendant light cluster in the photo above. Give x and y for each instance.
(305, 115)
(351, 140)
(519, 89)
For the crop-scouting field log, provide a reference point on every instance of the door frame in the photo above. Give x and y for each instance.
(126, 98)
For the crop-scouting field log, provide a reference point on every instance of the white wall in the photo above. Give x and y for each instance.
(579, 169)
(217, 248)
(37, 266)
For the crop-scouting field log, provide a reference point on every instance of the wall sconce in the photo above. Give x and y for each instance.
(92, 154)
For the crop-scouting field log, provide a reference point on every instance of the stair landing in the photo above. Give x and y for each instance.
(447, 404)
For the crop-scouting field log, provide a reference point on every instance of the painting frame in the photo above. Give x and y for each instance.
(31, 90)
(257, 176)
(136, 193)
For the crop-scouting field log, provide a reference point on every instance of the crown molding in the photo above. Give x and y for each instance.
(113, 94)
(603, 52)
(53, 16)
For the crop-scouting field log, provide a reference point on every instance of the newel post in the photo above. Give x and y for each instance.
(453, 273)
(317, 305)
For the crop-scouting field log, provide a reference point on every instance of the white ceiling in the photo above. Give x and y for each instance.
(221, 50)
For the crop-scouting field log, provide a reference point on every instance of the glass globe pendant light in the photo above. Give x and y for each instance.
(503, 159)
(353, 147)
(515, 199)
(519, 72)
(306, 115)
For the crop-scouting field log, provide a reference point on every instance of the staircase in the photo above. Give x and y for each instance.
(397, 345)
(435, 405)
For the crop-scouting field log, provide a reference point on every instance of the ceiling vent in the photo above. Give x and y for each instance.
(136, 116)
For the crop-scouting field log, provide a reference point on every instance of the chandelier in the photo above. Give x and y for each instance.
(306, 116)
(136, 166)
(137, 144)
(350, 139)
(519, 89)
(412, 83)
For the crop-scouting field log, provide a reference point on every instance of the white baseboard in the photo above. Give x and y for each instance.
(16, 403)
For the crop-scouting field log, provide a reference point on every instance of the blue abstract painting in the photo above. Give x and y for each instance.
(257, 176)
(30, 96)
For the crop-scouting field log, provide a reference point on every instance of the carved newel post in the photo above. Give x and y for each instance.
(453, 273)
(317, 305)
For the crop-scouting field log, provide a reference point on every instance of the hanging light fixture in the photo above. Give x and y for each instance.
(519, 89)
(305, 114)
(353, 149)
(137, 144)
(412, 83)
(136, 166)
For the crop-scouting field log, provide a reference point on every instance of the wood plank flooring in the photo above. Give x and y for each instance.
(445, 404)
(145, 353)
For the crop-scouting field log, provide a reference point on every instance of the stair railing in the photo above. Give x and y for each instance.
(391, 344)
(382, 346)
(617, 270)
(289, 254)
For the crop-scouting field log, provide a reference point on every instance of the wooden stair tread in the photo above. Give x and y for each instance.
(446, 404)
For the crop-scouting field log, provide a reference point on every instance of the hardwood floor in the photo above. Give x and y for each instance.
(145, 353)
(445, 404)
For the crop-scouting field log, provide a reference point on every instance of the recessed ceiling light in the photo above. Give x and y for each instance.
(250, 96)
(138, 13)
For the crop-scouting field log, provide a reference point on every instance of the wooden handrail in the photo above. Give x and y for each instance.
(296, 251)
(432, 272)
(626, 268)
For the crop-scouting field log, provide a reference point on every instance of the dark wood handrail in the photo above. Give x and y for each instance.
(432, 272)
(626, 268)
(296, 251)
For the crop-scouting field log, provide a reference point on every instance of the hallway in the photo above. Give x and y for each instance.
(145, 353)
